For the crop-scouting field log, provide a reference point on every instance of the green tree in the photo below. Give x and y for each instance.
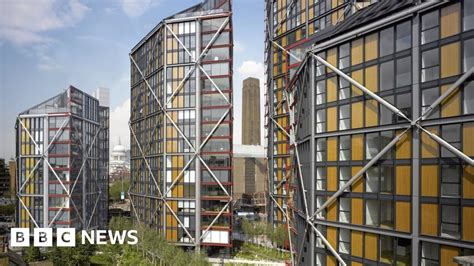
(67, 256)
(116, 188)
(248, 229)
(33, 254)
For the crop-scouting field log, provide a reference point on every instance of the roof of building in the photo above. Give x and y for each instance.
(254, 151)
(369, 14)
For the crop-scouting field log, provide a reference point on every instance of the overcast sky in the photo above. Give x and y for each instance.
(46, 45)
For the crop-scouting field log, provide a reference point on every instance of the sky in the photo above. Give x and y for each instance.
(47, 45)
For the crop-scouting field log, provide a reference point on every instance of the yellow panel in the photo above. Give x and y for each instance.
(357, 51)
(447, 255)
(331, 89)
(452, 105)
(429, 219)
(371, 77)
(357, 76)
(429, 147)
(450, 60)
(356, 263)
(467, 139)
(450, 20)
(357, 147)
(403, 214)
(371, 47)
(332, 149)
(468, 182)
(357, 115)
(332, 58)
(331, 119)
(332, 211)
(403, 146)
(331, 260)
(429, 180)
(371, 247)
(356, 243)
(403, 180)
(467, 219)
(357, 214)
(358, 185)
(371, 113)
(332, 236)
(332, 178)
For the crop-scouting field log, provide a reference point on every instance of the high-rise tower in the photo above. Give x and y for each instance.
(181, 127)
(251, 112)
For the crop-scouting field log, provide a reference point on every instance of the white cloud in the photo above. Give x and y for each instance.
(119, 117)
(136, 8)
(251, 69)
(24, 22)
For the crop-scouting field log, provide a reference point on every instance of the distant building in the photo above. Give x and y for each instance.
(249, 170)
(12, 171)
(119, 158)
(103, 95)
(251, 112)
(4, 179)
(62, 158)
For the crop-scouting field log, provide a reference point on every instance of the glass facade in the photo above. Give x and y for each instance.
(181, 127)
(62, 154)
(418, 187)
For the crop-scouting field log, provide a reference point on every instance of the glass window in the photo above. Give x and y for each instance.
(322, 214)
(403, 36)
(321, 178)
(404, 104)
(430, 27)
(403, 76)
(386, 179)
(468, 98)
(451, 134)
(345, 148)
(371, 179)
(386, 115)
(320, 120)
(372, 145)
(344, 117)
(344, 210)
(450, 180)
(468, 20)
(429, 254)
(450, 221)
(344, 56)
(386, 76)
(386, 249)
(344, 89)
(386, 214)
(468, 60)
(428, 96)
(344, 241)
(320, 68)
(344, 176)
(321, 92)
(403, 251)
(430, 65)
(321, 150)
(386, 42)
(372, 208)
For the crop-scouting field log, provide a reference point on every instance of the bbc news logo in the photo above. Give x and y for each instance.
(66, 237)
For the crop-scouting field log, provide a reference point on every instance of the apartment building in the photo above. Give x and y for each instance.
(61, 144)
(381, 113)
(181, 127)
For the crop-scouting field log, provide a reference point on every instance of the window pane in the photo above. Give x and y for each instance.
(430, 65)
(404, 71)
(403, 36)
(372, 212)
(430, 27)
(386, 42)
(450, 180)
(468, 15)
(372, 145)
(468, 60)
(386, 76)
(469, 98)
(428, 96)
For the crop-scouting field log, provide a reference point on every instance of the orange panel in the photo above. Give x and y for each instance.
(357, 214)
(357, 147)
(357, 115)
(403, 214)
(403, 180)
(371, 246)
(429, 180)
(447, 255)
(356, 243)
(467, 220)
(467, 139)
(332, 178)
(429, 219)
(468, 182)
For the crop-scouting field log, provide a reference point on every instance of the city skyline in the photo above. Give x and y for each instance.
(86, 44)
